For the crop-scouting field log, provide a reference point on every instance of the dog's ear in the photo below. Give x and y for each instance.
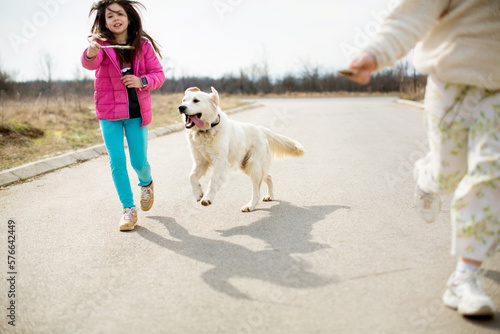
(192, 89)
(215, 96)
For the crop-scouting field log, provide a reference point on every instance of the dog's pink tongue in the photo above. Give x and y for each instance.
(197, 121)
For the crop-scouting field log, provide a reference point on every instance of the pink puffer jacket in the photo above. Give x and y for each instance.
(111, 98)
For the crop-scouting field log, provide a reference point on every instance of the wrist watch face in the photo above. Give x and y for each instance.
(144, 81)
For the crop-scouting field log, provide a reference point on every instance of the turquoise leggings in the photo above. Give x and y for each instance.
(137, 139)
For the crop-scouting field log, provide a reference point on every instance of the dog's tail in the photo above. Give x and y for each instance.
(281, 145)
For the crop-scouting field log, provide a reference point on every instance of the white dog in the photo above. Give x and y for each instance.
(215, 140)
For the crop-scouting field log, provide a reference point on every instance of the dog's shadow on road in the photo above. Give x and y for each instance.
(287, 230)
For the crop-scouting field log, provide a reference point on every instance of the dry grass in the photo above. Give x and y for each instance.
(418, 96)
(37, 128)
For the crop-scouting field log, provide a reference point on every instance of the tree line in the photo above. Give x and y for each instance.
(247, 82)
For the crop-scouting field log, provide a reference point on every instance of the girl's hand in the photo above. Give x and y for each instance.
(366, 64)
(131, 81)
(93, 49)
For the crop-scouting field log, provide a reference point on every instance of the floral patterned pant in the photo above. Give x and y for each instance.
(463, 124)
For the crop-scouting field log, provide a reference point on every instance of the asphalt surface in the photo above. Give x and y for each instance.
(340, 250)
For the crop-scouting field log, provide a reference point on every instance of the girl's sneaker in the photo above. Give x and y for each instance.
(147, 197)
(465, 295)
(129, 219)
(428, 205)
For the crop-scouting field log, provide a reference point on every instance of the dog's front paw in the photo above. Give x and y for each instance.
(247, 208)
(206, 202)
(198, 193)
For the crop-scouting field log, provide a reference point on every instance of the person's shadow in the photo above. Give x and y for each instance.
(286, 230)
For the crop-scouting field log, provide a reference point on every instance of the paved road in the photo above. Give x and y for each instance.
(341, 250)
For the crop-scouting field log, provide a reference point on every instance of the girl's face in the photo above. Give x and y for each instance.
(116, 19)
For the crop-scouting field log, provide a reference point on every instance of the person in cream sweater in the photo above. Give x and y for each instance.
(457, 44)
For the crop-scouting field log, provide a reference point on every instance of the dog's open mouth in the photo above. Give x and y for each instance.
(192, 120)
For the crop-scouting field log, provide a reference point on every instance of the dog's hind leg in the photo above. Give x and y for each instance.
(270, 189)
(256, 178)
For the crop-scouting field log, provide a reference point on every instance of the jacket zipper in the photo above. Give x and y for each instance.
(136, 70)
(128, 101)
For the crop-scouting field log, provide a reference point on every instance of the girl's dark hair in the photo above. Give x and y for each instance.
(135, 31)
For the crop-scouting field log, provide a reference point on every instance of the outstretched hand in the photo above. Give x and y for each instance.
(366, 64)
(93, 49)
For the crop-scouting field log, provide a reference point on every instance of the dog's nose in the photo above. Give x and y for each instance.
(182, 109)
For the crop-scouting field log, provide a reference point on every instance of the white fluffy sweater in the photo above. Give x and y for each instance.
(459, 39)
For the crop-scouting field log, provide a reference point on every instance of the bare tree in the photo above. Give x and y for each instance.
(46, 69)
(6, 83)
(310, 76)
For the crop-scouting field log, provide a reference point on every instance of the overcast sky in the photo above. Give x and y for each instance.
(198, 37)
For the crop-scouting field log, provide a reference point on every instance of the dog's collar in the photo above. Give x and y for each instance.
(217, 121)
(214, 124)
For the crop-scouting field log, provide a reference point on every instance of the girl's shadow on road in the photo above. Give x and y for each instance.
(287, 230)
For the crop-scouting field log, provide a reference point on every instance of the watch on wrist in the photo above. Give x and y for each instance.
(144, 81)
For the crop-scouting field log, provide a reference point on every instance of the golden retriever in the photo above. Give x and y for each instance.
(217, 141)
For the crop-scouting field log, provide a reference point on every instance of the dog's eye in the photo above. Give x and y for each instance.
(196, 100)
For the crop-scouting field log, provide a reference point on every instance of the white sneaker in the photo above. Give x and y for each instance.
(465, 295)
(428, 205)
(129, 219)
